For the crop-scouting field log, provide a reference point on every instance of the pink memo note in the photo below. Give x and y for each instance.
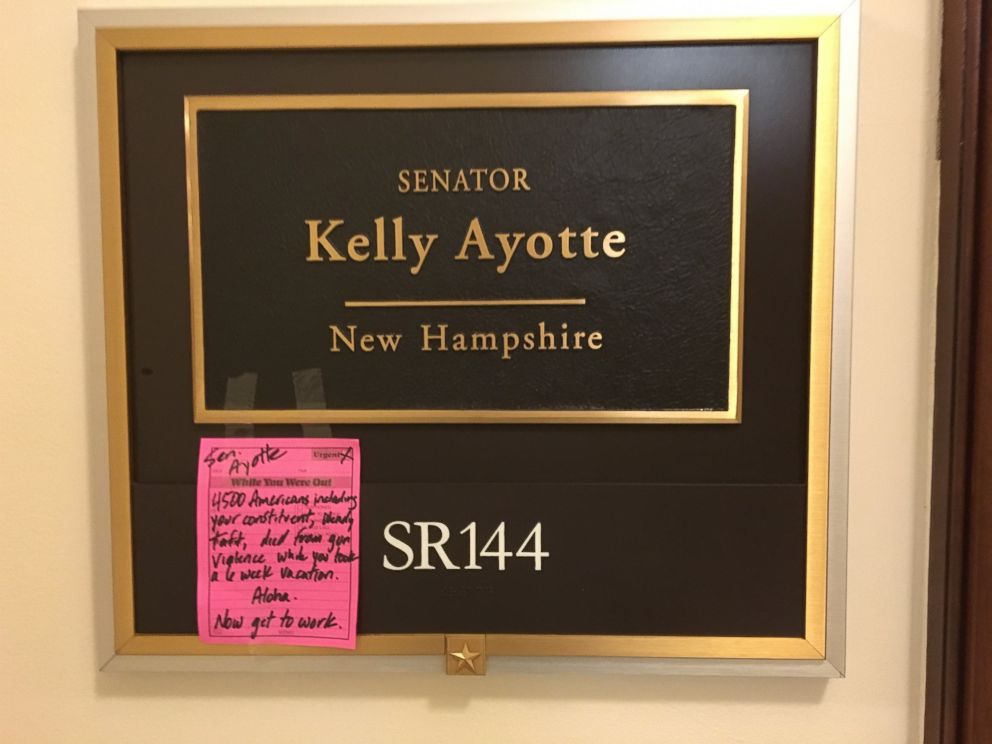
(277, 541)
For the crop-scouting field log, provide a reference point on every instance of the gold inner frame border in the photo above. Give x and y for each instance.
(439, 101)
(824, 30)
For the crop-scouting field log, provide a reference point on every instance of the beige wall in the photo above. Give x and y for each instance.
(53, 459)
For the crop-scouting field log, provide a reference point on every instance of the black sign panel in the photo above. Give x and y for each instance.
(657, 530)
(426, 257)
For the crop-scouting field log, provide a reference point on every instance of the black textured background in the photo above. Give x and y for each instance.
(651, 529)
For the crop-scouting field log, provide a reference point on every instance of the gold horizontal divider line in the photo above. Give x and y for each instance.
(536, 302)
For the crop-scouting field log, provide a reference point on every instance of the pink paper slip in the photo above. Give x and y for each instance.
(277, 541)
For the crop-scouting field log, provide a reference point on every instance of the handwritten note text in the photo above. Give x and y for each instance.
(277, 537)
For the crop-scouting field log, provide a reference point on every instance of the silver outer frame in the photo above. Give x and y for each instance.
(848, 13)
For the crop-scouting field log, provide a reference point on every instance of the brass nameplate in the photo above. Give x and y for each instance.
(494, 258)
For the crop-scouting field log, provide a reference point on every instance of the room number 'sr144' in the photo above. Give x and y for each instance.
(425, 546)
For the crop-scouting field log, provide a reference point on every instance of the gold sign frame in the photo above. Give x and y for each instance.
(736, 98)
(823, 30)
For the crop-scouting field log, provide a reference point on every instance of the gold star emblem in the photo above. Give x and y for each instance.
(466, 658)
(465, 654)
